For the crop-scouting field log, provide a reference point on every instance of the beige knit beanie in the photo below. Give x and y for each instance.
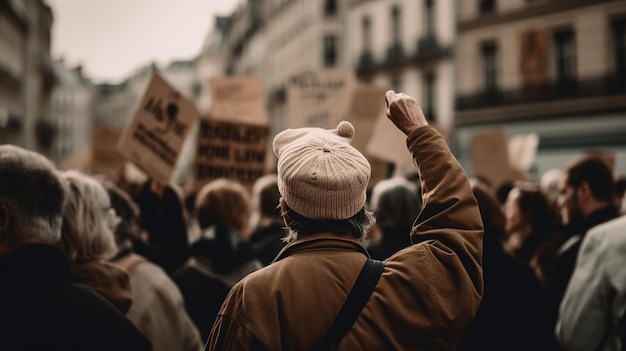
(320, 175)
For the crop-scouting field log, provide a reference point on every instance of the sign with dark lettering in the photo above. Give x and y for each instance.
(238, 99)
(230, 150)
(156, 134)
(319, 99)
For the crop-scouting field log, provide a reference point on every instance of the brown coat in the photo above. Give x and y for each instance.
(424, 300)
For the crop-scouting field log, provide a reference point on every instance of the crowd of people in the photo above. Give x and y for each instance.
(87, 263)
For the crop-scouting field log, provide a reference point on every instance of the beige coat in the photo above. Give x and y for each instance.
(424, 300)
(158, 309)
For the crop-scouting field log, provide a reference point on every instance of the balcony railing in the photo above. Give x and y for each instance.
(572, 89)
(427, 49)
(10, 122)
(366, 61)
(9, 79)
(395, 54)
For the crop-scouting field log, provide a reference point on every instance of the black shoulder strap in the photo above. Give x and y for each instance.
(352, 307)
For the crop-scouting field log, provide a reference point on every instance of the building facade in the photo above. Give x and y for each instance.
(274, 40)
(406, 46)
(554, 68)
(26, 75)
(71, 111)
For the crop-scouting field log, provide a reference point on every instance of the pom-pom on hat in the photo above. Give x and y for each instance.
(320, 175)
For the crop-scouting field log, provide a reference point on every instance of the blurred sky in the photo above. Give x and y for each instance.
(113, 38)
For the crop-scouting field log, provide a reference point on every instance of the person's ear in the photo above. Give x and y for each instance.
(284, 213)
(4, 221)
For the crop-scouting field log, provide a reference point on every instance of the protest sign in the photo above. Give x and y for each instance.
(158, 129)
(238, 99)
(522, 151)
(230, 150)
(104, 156)
(367, 103)
(490, 158)
(319, 99)
(387, 142)
(234, 142)
(79, 161)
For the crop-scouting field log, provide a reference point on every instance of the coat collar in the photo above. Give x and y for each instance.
(34, 265)
(325, 241)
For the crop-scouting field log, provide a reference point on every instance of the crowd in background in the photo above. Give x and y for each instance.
(167, 259)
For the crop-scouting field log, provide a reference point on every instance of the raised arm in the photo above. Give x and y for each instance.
(448, 232)
(448, 198)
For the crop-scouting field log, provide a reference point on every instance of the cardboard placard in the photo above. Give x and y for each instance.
(104, 156)
(319, 99)
(367, 103)
(79, 161)
(158, 129)
(490, 158)
(238, 99)
(522, 150)
(387, 142)
(230, 150)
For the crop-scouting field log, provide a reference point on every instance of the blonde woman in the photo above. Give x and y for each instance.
(88, 241)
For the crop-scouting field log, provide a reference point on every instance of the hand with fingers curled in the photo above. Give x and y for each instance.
(404, 111)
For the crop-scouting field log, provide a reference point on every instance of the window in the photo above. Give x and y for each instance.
(366, 60)
(330, 7)
(396, 24)
(395, 54)
(490, 67)
(429, 17)
(619, 51)
(564, 58)
(330, 51)
(486, 6)
(429, 96)
(367, 34)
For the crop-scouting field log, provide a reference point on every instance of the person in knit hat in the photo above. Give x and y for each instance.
(428, 292)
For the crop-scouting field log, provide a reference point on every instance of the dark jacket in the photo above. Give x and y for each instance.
(508, 317)
(386, 248)
(41, 308)
(206, 278)
(164, 220)
(267, 242)
(424, 300)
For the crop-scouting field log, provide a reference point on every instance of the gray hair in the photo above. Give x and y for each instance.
(356, 226)
(33, 193)
(88, 220)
